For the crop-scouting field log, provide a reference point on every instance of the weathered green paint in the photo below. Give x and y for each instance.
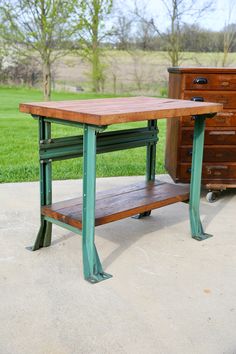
(195, 184)
(70, 147)
(151, 152)
(150, 159)
(45, 232)
(70, 123)
(93, 271)
(64, 225)
(64, 122)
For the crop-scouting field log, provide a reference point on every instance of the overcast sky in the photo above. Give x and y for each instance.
(213, 20)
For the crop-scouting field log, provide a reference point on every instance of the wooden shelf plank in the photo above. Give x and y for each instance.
(121, 203)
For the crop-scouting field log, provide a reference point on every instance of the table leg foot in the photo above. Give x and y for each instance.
(202, 237)
(96, 278)
(142, 215)
(197, 229)
(44, 236)
(93, 271)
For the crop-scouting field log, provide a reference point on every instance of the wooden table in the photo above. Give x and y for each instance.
(94, 116)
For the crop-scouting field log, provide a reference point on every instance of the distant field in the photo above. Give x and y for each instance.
(19, 143)
(137, 72)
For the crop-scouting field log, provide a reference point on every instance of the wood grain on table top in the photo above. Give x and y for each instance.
(106, 111)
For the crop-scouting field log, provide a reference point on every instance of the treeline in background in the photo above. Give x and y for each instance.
(108, 46)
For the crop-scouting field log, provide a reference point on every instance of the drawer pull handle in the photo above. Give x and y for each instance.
(197, 99)
(200, 81)
(190, 152)
(189, 170)
(223, 132)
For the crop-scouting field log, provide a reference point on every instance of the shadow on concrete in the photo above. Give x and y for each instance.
(125, 233)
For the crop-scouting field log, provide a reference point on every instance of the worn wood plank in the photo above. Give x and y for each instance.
(108, 111)
(116, 204)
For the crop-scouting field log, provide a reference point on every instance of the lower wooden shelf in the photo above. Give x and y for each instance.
(120, 203)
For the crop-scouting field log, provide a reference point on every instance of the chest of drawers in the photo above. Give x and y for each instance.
(219, 160)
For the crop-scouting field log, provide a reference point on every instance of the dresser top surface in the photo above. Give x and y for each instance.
(202, 70)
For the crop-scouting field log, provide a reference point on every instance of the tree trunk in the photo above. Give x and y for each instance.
(47, 82)
(225, 56)
(114, 83)
(95, 68)
(226, 48)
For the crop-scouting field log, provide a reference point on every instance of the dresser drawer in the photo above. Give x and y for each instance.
(214, 171)
(210, 82)
(221, 119)
(213, 136)
(211, 153)
(227, 98)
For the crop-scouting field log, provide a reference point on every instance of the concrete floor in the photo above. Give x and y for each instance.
(169, 293)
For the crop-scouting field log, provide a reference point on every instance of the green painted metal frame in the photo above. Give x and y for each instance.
(71, 147)
(93, 271)
(62, 224)
(92, 142)
(59, 121)
(45, 232)
(150, 159)
(151, 151)
(195, 183)
(95, 141)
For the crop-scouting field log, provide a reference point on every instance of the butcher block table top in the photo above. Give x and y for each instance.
(109, 111)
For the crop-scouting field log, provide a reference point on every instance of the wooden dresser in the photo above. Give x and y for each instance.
(219, 161)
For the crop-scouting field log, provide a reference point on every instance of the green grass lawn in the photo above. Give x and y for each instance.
(19, 142)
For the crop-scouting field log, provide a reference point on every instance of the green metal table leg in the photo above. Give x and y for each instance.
(151, 153)
(195, 184)
(93, 271)
(150, 163)
(45, 232)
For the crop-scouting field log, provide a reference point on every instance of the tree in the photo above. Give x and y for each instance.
(145, 35)
(92, 35)
(229, 33)
(176, 12)
(25, 72)
(39, 28)
(122, 31)
(1, 57)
